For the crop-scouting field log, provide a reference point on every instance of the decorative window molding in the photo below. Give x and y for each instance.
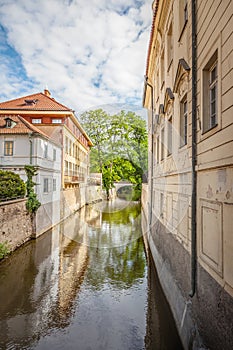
(168, 101)
(181, 79)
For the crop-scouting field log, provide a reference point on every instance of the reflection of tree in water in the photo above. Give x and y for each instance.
(120, 265)
(118, 227)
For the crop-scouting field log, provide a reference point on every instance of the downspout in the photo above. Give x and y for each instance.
(194, 154)
(152, 148)
(30, 150)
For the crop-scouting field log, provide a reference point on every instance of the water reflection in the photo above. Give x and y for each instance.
(82, 285)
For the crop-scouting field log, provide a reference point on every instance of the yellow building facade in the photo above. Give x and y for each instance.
(188, 92)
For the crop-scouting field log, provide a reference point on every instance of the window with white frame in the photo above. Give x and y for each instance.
(183, 121)
(8, 148)
(54, 154)
(46, 185)
(36, 120)
(210, 93)
(56, 121)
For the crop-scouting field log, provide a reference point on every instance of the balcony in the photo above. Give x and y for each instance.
(73, 178)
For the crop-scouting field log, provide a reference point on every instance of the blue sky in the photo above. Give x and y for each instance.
(88, 53)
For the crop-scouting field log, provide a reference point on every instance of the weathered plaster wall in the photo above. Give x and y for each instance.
(15, 223)
(72, 199)
(210, 309)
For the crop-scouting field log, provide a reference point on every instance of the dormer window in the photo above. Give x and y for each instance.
(9, 123)
(30, 102)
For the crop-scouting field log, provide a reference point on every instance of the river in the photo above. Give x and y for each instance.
(86, 285)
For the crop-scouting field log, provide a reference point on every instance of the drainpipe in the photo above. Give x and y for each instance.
(152, 147)
(194, 154)
(30, 141)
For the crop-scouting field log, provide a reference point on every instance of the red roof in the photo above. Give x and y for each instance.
(156, 5)
(35, 102)
(19, 126)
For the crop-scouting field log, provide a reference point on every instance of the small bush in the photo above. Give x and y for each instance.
(4, 250)
(11, 185)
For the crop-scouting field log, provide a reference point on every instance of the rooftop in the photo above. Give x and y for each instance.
(35, 102)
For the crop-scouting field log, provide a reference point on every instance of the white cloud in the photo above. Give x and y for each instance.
(88, 53)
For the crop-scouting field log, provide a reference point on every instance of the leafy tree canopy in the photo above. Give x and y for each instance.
(120, 146)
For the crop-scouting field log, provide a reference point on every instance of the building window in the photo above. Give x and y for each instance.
(169, 136)
(169, 46)
(213, 95)
(46, 185)
(66, 168)
(183, 121)
(157, 150)
(162, 144)
(162, 69)
(36, 121)
(210, 94)
(183, 15)
(70, 147)
(54, 154)
(45, 150)
(56, 121)
(54, 185)
(161, 204)
(67, 145)
(8, 148)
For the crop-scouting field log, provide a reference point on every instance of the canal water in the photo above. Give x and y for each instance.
(86, 285)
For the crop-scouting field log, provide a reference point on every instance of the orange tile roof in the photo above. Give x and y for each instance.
(22, 126)
(35, 102)
(156, 5)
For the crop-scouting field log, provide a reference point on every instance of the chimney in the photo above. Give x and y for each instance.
(46, 92)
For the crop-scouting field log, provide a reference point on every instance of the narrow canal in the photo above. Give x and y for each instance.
(86, 285)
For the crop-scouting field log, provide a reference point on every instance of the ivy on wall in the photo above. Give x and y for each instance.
(32, 203)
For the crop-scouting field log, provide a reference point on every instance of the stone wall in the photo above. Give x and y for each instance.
(15, 223)
(16, 226)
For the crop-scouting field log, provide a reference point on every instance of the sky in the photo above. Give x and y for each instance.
(89, 54)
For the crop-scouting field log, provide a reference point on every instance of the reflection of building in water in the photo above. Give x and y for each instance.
(73, 260)
(93, 216)
(27, 287)
(39, 283)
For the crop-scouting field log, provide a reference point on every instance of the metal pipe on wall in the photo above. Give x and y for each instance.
(194, 154)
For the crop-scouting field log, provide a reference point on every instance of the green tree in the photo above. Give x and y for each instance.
(96, 123)
(11, 185)
(120, 146)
